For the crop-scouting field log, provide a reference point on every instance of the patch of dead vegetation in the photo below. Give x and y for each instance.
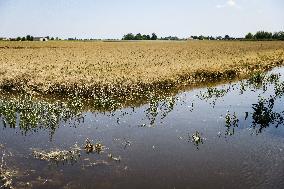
(6, 174)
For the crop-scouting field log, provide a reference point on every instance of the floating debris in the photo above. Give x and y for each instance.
(197, 139)
(97, 163)
(98, 148)
(6, 175)
(71, 155)
(89, 147)
(114, 158)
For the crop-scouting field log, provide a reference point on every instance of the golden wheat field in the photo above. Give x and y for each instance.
(124, 68)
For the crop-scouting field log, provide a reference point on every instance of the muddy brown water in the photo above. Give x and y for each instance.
(241, 146)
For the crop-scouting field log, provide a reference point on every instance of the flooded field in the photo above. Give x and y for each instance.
(226, 136)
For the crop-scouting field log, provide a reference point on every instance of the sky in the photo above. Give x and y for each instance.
(109, 19)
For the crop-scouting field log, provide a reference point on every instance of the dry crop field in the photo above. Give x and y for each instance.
(124, 68)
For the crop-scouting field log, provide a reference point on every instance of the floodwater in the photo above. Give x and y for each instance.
(228, 136)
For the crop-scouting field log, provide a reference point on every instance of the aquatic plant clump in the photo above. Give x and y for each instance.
(90, 147)
(57, 156)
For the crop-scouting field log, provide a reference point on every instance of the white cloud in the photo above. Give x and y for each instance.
(229, 3)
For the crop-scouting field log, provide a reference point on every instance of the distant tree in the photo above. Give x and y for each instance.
(128, 36)
(47, 37)
(201, 37)
(138, 36)
(154, 36)
(263, 35)
(52, 38)
(28, 37)
(174, 38)
(249, 36)
(278, 36)
(19, 38)
(227, 37)
(23, 39)
(219, 38)
(146, 37)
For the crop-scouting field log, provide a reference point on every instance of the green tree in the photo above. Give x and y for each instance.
(227, 37)
(28, 38)
(128, 36)
(263, 35)
(138, 36)
(249, 36)
(278, 35)
(154, 36)
(201, 37)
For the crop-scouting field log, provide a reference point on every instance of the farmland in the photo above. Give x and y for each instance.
(127, 68)
(120, 113)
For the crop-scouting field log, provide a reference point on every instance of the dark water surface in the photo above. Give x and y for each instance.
(231, 136)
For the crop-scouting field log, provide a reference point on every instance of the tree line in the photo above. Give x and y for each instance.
(201, 37)
(263, 35)
(139, 36)
(260, 35)
(31, 38)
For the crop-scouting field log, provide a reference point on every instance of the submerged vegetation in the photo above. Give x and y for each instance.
(56, 156)
(263, 114)
(6, 174)
(36, 114)
(31, 114)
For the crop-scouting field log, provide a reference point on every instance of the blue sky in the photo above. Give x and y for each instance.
(113, 18)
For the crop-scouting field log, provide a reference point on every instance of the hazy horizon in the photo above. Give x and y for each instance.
(113, 19)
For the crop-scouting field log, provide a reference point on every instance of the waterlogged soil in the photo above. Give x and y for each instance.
(228, 136)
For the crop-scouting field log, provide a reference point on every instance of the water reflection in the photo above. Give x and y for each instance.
(30, 114)
(231, 123)
(263, 114)
(177, 134)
